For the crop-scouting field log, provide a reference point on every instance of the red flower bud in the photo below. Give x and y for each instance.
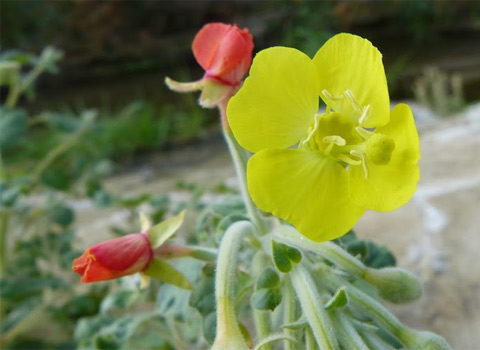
(224, 51)
(114, 258)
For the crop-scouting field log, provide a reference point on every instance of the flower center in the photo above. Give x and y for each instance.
(339, 135)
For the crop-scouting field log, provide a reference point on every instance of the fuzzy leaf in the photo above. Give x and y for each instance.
(339, 299)
(284, 255)
(267, 279)
(266, 299)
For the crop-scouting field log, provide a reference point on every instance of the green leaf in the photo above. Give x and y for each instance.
(159, 233)
(161, 270)
(119, 299)
(339, 299)
(266, 298)
(62, 215)
(19, 314)
(210, 327)
(371, 254)
(203, 296)
(379, 256)
(284, 255)
(9, 194)
(13, 127)
(268, 279)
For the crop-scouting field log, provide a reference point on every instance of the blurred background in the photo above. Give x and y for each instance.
(98, 135)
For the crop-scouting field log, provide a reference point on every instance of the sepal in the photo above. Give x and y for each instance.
(162, 271)
(159, 233)
(213, 93)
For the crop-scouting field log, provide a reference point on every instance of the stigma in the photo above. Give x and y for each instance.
(338, 134)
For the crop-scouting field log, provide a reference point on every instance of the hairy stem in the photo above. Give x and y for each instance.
(240, 159)
(229, 336)
(313, 309)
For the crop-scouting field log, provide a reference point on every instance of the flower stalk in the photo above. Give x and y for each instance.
(313, 309)
(239, 158)
(229, 335)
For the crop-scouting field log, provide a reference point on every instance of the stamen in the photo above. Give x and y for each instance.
(362, 157)
(335, 139)
(328, 149)
(315, 126)
(348, 160)
(365, 114)
(365, 134)
(330, 97)
(349, 94)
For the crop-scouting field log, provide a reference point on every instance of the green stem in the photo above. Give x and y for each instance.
(261, 318)
(4, 218)
(240, 159)
(52, 156)
(375, 343)
(312, 308)
(262, 325)
(228, 336)
(382, 317)
(289, 312)
(310, 343)
(22, 85)
(327, 250)
(347, 334)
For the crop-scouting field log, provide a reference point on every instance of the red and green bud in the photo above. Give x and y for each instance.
(114, 258)
(225, 53)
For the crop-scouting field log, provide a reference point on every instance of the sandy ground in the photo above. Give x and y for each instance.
(436, 235)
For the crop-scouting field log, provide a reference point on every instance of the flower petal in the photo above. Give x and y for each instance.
(275, 106)
(122, 253)
(349, 62)
(206, 41)
(306, 189)
(391, 185)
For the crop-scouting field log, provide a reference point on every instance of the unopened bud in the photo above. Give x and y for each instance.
(395, 284)
(423, 340)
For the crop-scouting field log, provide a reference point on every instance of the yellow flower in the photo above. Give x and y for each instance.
(356, 155)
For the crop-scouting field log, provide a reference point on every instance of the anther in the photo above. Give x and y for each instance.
(330, 97)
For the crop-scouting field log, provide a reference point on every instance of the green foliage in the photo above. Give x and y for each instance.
(371, 254)
(285, 256)
(13, 127)
(266, 299)
(339, 299)
(267, 279)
